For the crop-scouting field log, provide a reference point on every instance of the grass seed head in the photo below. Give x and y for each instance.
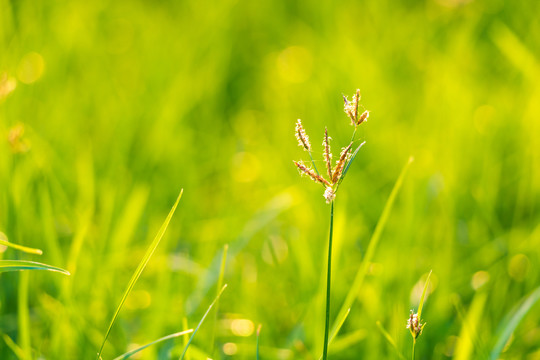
(327, 153)
(329, 194)
(311, 173)
(340, 164)
(301, 136)
(414, 325)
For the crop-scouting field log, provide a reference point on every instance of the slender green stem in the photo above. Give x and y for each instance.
(328, 280)
(413, 345)
(313, 163)
(353, 134)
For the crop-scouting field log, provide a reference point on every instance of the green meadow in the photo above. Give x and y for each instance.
(108, 109)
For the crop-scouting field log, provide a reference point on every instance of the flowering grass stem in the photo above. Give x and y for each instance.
(328, 282)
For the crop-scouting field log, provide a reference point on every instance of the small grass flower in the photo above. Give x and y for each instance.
(301, 136)
(415, 325)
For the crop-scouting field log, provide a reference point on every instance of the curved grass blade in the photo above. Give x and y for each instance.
(202, 320)
(140, 268)
(25, 249)
(370, 252)
(14, 347)
(171, 336)
(390, 340)
(349, 163)
(421, 304)
(16, 265)
(512, 320)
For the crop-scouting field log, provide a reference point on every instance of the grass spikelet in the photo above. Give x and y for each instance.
(340, 164)
(327, 153)
(301, 136)
(314, 176)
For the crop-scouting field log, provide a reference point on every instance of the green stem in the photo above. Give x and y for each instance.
(313, 163)
(328, 280)
(353, 134)
(413, 345)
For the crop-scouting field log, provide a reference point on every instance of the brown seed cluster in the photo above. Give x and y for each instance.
(334, 173)
(414, 325)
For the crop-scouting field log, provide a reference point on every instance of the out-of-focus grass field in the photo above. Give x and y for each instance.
(123, 103)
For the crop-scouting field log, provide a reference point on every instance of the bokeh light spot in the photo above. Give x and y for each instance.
(518, 267)
(295, 64)
(479, 279)
(230, 348)
(31, 68)
(246, 167)
(242, 327)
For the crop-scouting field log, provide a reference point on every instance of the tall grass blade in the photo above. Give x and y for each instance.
(24, 317)
(468, 335)
(512, 320)
(220, 285)
(28, 250)
(140, 269)
(390, 340)
(202, 320)
(258, 340)
(370, 252)
(340, 324)
(16, 265)
(421, 305)
(171, 336)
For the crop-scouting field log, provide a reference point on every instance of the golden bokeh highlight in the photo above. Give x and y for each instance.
(31, 68)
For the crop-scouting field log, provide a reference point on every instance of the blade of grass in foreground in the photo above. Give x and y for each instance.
(421, 305)
(140, 268)
(370, 252)
(202, 320)
(171, 336)
(258, 338)
(512, 320)
(25, 249)
(16, 265)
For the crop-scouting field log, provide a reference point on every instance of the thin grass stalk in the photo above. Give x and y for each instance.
(328, 282)
(413, 347)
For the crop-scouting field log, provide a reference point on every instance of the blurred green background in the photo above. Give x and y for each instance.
(109, 108)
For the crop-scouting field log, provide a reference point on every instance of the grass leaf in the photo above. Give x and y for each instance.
(140, 269)
(171, 336)
(370, 252)
(512, 320)
(202, 320)
(29, 250)
(16, 265)
(339, 325)
(421, 304)
(350, 162)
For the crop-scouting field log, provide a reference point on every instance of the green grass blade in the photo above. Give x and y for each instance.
(258, 339)
(350, 162)
(140, 269)
(14, 347)
(339, 325)
(23, 318)
(512, 320)
(202, 320)
(29, 250)
(16, 265)
(468, 335)
(370, 252)
(390, 340)
(171, 336)
(421, 305)
(220, 285)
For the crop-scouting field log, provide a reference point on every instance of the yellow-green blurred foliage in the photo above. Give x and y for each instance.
(108, 108)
